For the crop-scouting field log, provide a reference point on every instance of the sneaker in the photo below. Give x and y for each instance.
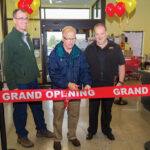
(47, 134)
(75, 142)
(24, 141)
(57, 145)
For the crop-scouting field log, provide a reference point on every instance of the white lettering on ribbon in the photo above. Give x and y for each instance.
(56, 93)
(123, 91)
(116, 91)
(91, 92)
(38, 95)
(130, 91)
(30, 95)
(49, 94)
(6, 96)
(144, 90)
(71, 94)
(14, 96)
(22, 96)
(83, 93)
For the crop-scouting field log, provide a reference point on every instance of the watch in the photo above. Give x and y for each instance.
(121, 82)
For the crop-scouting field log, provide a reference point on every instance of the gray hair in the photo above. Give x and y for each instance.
(16, 10)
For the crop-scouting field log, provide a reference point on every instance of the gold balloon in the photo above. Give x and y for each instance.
(134, 3)
(120, 1)
(35, 5)
(130, 5)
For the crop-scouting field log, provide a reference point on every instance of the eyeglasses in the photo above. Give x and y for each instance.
(22, 19)
(69, 39)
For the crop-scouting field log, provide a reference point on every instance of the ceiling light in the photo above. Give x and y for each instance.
(50, 1)
(59, 1)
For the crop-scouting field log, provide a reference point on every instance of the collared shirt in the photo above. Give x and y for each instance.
(104, 63)
(24, 37)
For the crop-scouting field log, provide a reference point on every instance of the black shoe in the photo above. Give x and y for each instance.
(89, 136)
(57, 145)
(110, 136)
(147, 145)
(75, 142)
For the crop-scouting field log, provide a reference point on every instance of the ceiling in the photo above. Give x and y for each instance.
(67, 2)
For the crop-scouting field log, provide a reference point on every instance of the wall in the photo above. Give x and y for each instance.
(138, 21)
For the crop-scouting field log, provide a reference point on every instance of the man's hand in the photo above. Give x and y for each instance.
(87, 87)
(118, 84)
(73, 86)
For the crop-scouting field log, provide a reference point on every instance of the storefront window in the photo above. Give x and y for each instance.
(67, 14)
(70, 9)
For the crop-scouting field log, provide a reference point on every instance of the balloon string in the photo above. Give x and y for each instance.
(32, 25)
(120, 29)
(29, 24)
(33, 22)
(128, 19)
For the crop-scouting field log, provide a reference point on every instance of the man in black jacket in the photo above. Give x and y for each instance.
(106, 60)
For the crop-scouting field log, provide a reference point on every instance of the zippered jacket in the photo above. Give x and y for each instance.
(19, 63)
(63, 69)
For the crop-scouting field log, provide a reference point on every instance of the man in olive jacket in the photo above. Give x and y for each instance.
(21, 72)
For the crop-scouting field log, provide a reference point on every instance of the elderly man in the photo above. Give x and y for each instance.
(68, 69)
(21, 72)
(106, 60)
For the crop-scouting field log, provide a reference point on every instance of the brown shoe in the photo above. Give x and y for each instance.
(75, 142)
(47, 134)
(24, 141)
(57, 145)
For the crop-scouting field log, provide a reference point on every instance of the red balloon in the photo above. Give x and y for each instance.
(110, 9)
(22, 4)
(25, 6)
(120, 9)
(29, 2)
(29, 10)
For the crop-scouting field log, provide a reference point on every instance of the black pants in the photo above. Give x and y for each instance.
(106, 105)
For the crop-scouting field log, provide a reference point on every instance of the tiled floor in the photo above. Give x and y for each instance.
(130, 124)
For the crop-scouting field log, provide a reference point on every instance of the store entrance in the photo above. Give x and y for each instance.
(55, 15)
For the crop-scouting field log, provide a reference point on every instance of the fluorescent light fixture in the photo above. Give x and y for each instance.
(50, 1)
(59, 1)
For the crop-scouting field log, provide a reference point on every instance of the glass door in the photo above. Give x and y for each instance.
(53, 38)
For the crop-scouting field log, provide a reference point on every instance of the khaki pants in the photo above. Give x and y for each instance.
(73, 117)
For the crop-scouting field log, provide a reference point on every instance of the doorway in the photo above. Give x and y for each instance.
(81, 15)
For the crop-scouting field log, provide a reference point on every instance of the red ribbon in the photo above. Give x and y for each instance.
(66, 101)
(51, 94)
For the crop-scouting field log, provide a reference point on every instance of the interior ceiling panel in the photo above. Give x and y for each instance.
(67, 2)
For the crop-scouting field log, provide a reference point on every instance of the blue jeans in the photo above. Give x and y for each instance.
(20, 112)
